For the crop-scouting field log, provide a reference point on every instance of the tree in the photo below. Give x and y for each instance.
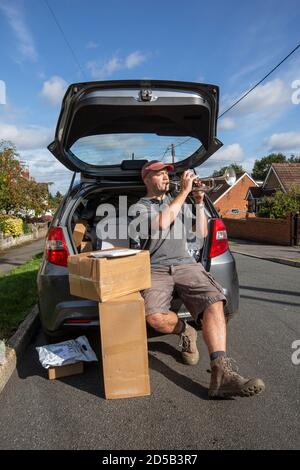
(18, 193)
(54, 201)
(294, 159)
(237, 168)
(35, 196)
(10, 175)
(261, 167)
(280, 204)
(59, 196)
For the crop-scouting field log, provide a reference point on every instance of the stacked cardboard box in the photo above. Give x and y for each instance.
(104, 279)
(115, 283)
(124, 347)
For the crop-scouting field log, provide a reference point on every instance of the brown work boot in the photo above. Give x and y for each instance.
(189, 351)
(225, 382)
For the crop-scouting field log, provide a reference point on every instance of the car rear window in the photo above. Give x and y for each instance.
(105, 149)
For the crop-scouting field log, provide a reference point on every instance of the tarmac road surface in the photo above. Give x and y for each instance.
(18, 255)
(71, 413)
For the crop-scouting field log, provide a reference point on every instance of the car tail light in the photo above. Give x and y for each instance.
(219, 243)
(56, 248)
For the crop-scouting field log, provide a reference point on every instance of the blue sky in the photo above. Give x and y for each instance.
(232, 44)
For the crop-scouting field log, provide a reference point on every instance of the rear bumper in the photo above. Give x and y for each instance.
(60, 311)
(223, 269)
(69, 315)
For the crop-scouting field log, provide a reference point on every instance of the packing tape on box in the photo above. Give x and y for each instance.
(108, 282)
(77, 277)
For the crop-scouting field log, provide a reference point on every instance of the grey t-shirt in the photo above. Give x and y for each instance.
(167, 247)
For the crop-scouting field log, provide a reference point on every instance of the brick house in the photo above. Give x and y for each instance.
(255, 196)
(280, 177)
(231, 201)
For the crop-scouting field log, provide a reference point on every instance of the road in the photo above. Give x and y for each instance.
(72, 413)
(18, 255)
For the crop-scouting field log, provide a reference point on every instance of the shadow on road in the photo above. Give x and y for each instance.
(273, 291)
(181, 380)
(281, 302)
(91, 381)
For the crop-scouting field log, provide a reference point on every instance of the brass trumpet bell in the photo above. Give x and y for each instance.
(229, 177)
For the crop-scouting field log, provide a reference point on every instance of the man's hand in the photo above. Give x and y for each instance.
(186, 182)
(198, 195)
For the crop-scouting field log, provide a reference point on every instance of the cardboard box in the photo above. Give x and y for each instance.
(65, 371)
(78, 233)
(103, 279)
(124, 347)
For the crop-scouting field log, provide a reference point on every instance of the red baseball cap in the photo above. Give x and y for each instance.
(155, 165)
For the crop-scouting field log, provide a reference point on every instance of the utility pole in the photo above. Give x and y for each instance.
(173, 153)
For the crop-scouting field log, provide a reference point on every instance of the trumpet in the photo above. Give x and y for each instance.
(229, 176)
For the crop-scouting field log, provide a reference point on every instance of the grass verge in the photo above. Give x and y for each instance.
(18, 293)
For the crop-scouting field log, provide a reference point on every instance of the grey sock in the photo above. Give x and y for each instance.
(216, 354)
(180, 327)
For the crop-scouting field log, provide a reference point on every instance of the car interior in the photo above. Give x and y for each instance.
(87, 222)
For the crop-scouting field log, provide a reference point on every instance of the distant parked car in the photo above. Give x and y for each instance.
(106, 131)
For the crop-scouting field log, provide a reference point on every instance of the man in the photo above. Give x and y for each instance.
(172, 268)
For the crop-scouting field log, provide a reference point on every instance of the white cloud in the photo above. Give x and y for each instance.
(12, 113)
(264, 98)
(224, 157)
(227, 155)
(92, 45)
(134, 59)
(285, 141)
(54, 89)
(230, 153)
(226, 123)
(44, 167)
(101, 70)
(16, 20)
(266, 105)
(30, 137)
(273, 93)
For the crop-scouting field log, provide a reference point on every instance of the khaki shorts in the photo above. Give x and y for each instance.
(193, 285)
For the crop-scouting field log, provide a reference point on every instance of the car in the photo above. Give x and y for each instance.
(105, 133)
